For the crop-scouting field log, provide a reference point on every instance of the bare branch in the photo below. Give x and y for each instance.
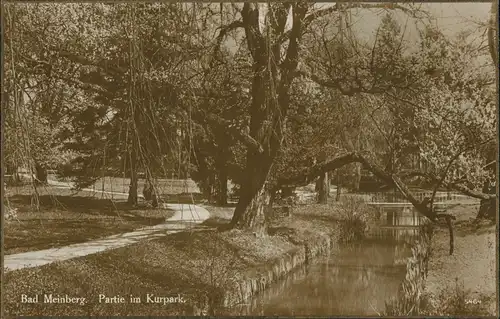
(309, 175)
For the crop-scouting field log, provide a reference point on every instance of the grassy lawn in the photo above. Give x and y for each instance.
(171, 191)
(120, 184)
(66, 217)
(196, 265)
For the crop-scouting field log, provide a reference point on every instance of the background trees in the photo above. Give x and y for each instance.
(269, 96)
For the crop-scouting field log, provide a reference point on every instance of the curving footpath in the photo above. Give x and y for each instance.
(185, 217)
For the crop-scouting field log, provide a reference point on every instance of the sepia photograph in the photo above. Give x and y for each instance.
(290, 158)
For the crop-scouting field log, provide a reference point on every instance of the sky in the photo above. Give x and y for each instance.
(450, 17)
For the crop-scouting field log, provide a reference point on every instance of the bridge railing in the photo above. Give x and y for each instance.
(393, 197)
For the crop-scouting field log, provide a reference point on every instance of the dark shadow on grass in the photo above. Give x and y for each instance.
(86, 205)
(64, 220)
(34, 235)
(217, 222)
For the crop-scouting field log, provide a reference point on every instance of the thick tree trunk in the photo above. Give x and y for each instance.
(251, 210)
(255, 196)
(132, 190)
(150, 190)
(206, 188)
(221, 164)
(487, 209)
(323, 185)
(268, 110)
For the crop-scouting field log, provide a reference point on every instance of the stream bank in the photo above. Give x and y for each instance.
(465, 283)
(461, 284)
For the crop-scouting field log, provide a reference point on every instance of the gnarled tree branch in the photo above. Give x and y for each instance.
(243, 137)
(453, 185)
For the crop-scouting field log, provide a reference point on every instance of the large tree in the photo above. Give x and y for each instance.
(275, 48)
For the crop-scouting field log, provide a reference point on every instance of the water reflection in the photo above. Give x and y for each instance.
(356, 280)
(399, 222)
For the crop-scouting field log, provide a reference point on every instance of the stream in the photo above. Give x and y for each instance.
(355, 279)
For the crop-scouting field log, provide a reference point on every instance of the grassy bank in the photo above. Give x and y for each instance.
(197, 266)
(463, 284)
(66, 217)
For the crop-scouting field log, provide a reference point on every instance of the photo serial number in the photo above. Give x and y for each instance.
(472, 301)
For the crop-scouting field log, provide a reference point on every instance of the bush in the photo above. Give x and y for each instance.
(353, 219)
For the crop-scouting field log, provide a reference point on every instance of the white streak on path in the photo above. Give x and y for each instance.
(185, 215)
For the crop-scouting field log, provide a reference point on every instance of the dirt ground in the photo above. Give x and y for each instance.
(472, 267)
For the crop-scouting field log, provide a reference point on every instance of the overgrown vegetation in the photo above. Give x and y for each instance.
(354, 218)
(414, 300)
(458, 302)
(409, 301)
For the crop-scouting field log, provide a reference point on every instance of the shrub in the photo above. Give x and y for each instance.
(353, 219)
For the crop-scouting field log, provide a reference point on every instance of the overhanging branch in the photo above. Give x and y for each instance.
(310, 174)
(453, 185)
